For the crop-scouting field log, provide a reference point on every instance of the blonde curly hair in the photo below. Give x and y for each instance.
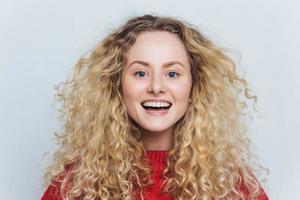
(101, 155)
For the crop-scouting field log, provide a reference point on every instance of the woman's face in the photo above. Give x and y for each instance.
(157, 74)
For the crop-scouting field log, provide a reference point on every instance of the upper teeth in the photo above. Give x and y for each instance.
(156, 104)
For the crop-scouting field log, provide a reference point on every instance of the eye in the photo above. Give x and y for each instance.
(140, 74)
(173, 74)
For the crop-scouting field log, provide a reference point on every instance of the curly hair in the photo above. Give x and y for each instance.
(101, 155)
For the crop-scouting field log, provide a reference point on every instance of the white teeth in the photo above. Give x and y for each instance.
(156, 104)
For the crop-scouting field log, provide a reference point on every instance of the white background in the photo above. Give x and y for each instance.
(40, 41)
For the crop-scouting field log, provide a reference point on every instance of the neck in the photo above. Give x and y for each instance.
(157, 141)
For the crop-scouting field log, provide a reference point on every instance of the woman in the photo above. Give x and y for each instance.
(154, 112)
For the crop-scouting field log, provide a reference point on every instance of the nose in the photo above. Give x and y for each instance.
(156, 85)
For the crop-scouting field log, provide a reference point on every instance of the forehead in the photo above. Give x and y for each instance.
(157, 46)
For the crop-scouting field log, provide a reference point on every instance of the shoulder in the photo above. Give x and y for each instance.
(261, 196)
(54, 190)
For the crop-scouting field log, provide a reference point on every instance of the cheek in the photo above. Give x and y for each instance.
(181, 91)
(131, 91)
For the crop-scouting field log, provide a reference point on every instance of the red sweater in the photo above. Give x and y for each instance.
(158, 162)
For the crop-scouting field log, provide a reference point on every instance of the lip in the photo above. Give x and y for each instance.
(156, 112)
(157, 100)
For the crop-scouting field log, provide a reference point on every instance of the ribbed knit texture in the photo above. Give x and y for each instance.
(153, 192)
(158, 163)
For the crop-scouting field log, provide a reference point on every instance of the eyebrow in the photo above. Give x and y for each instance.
(168, 64)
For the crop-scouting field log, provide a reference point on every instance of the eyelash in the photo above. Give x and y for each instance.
(177, 74)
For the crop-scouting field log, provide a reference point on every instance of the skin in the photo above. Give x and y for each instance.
(150, 72)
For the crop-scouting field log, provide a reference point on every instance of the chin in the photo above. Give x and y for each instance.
(155, 128)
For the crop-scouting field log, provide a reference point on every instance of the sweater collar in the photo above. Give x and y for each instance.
(157, 157)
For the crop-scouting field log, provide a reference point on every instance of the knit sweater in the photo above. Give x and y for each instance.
(153, 192)
(158, 163)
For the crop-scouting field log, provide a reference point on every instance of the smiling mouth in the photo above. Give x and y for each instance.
(154, 108)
